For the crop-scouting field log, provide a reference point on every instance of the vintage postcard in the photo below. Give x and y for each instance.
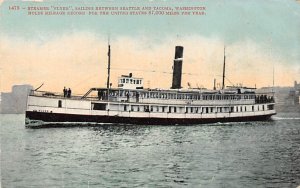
(117, 70)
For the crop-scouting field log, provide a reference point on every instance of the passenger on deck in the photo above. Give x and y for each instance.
(261, 99)
(65, 91)
(265, 98)
(137, 96)
(100, 94)
(69, 93)
(105, 96)
(127, 95)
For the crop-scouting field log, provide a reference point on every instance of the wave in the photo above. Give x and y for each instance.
(286, 118)
(43, 124)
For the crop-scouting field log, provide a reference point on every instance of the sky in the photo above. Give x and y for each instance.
(259, 37)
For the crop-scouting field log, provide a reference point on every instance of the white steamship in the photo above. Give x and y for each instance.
(131, 103)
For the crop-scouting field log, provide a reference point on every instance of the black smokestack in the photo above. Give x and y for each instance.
(177, 68)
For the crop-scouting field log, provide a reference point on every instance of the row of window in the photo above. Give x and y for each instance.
(157, 95)
(175, 109)
(130, 80)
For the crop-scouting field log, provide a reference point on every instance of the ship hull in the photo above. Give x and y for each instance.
(62, 120)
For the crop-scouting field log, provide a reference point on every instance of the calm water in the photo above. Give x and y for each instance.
(264, 154)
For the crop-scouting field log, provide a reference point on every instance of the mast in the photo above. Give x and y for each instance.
(214, 84)
(223, 82)
(108, 67)
(273, 79)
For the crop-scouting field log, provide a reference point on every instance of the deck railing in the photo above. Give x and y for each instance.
(146, 97)
(59, 95)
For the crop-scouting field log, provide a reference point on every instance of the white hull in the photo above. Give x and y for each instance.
(125, 111)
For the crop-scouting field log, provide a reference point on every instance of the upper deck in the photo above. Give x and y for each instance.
(156, 96)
